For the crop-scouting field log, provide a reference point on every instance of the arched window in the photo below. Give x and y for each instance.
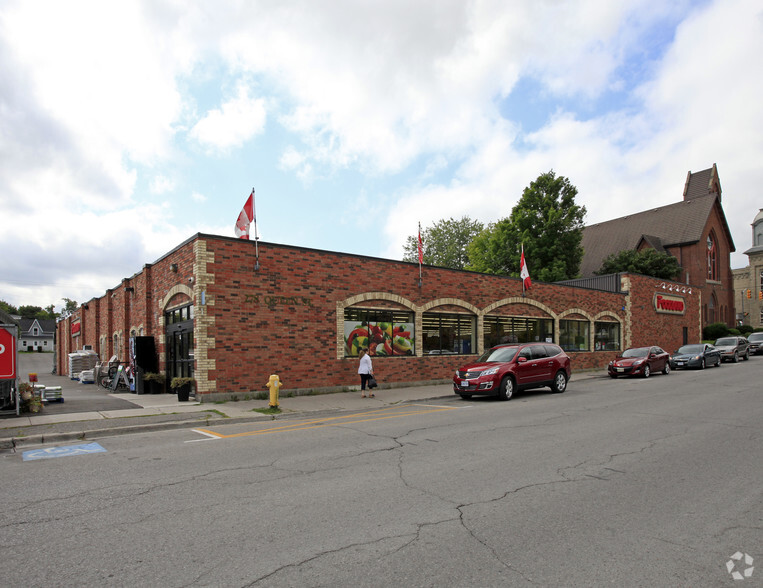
(712, 258)
(711, 309)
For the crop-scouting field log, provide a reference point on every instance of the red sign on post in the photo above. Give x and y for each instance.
(7, 355)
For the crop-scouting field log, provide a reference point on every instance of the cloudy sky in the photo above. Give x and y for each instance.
(126, 128)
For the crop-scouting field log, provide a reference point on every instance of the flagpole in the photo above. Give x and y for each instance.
(520, 263)
(256, 236)
(420, 249)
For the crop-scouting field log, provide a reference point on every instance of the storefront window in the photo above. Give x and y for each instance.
(384, 332)
(513, 329)
(574, 335)
(607, 336)
(445, 334)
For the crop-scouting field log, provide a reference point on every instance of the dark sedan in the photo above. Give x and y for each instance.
(640, 361)
(696, 356)
(756, 343)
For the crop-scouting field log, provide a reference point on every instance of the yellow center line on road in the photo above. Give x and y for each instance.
(363, 417)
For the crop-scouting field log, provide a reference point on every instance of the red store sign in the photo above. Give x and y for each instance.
(669, 304)
(76, 327)
(7, 355)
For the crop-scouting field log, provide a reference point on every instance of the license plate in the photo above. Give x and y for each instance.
(620, 369)
(680, 363)
(464, 383)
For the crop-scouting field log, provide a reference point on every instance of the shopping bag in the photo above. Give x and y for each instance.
(372, 383)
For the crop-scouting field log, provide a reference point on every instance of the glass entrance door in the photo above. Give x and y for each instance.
(179, 339)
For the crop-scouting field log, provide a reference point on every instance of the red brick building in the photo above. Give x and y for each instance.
(694, 231)
(228, 316)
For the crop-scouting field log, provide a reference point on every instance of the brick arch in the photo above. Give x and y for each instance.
(352, 300)
(449, 302)
(177, 289)
(608, 313)
(519, 300)
(580, 311)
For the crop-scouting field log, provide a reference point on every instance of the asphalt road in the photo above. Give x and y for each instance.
(651, 482)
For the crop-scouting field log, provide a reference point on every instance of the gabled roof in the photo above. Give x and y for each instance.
(47, 326)
(702, 183)
(653, 242)
(681, 223)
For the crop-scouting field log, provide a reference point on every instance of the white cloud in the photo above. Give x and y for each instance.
(235, 122)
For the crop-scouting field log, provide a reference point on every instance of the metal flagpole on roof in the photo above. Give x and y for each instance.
(256, 236)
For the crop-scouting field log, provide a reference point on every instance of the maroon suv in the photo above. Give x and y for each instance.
(505, 369)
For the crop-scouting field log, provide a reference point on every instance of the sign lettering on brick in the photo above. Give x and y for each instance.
(667, 304)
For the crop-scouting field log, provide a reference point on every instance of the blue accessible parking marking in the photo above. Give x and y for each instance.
(50, 452)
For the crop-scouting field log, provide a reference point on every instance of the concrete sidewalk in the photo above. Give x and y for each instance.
(164, 411)
(75, 419)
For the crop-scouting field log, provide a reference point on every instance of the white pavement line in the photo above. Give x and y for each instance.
(205, 439)
(205, 433)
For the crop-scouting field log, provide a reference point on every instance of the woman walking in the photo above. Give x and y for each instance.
(366, 370)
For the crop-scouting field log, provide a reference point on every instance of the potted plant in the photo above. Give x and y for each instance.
(154, 382)
(182, 387)
(30, 401)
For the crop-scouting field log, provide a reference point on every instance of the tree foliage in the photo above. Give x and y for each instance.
(444, 243)
(5, 307)
(647, 262)
(549, 224)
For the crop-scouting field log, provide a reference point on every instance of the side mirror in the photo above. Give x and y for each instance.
(521, 359)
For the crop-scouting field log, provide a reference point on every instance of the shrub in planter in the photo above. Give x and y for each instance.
(154, 382)
(182, 387)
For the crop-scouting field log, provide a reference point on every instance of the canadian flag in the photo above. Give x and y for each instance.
(245, 218)
(524, 273)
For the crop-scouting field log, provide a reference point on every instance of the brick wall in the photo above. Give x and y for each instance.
(286, 316)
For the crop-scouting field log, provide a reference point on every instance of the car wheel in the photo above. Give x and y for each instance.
(647, 371)
(506, 391)
(747, 355)
(666, 369)
(560, 382)
(736, 357)
(719, 363)
(702, 364)
(466, 396)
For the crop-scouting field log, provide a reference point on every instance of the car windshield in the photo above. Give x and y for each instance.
(639, 352)
(501, 354)
(690, 349)
(726, 341)
(755, 337)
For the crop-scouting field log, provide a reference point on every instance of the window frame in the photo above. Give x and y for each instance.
(605, 341)
(356, 318)
(469, 330)
(565, 334)
(542, 328)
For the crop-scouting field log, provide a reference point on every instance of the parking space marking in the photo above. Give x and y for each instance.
(393, 412)
(66, 451)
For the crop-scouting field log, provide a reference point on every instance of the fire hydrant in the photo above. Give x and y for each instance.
(274, 383)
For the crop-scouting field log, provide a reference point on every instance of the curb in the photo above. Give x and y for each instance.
(55, 437)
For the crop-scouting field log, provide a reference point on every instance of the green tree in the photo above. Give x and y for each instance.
(648, 262)
(444, 243)
(32, 312)
(5, 307)
(70, 305)
(547, 222)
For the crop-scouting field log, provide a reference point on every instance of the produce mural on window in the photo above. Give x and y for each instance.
(383, 338)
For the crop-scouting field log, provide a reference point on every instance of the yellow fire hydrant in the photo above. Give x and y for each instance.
(274, 383)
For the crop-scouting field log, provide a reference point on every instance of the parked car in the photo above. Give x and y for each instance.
(695, 356)
(640, 361)
(505, 369)
(756, 343)
(732, 348)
